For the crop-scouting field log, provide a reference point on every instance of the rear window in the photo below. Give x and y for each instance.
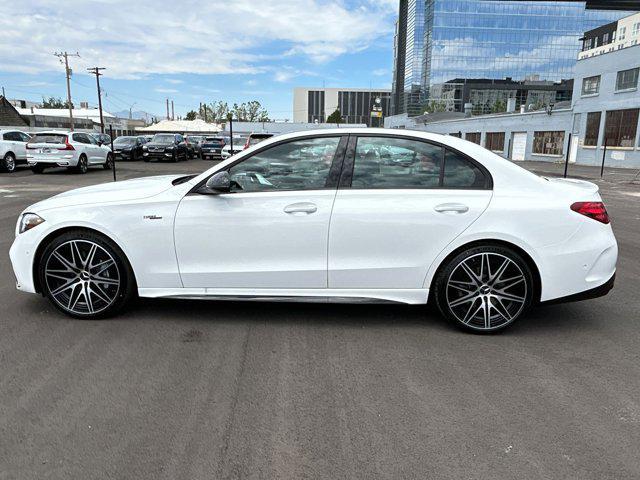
(48, 138)
(216, 142)
(254, 139)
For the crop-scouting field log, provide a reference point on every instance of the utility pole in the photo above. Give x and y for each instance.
(167, 109)
(173, 117)
(96, 71)
(67, 72)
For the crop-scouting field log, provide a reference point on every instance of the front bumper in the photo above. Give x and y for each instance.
(157, 155)
(21, 253)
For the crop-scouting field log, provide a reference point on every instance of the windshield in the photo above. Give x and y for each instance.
(48, 138)
(124, 141)
(163, 139)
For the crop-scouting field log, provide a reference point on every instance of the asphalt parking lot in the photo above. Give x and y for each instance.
(180, 389)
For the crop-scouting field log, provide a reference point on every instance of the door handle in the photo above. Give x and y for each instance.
(301, 207)
(451, 207)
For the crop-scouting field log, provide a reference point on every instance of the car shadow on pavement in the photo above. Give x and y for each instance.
(542, 318)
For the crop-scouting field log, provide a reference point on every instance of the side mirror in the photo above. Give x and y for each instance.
(100, 143)
(218, 183)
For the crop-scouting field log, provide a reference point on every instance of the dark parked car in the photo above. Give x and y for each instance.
(195, 142)
(212, 147)
(128, 148)
(165, 146)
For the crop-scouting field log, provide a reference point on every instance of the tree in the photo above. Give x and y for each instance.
(335, 117)
(53, 102)
(250, 112)
(498, 106)
(191, 115)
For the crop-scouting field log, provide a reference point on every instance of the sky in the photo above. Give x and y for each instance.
(192, 52)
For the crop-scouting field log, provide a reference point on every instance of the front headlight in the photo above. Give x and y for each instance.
(28, 221)
(169, 148)
(144, 148)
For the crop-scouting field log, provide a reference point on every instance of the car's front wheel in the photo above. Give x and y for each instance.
(485, 288)
(8, 164)
(86, 275)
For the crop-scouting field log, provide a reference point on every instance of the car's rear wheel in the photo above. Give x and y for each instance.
(485, 288)
(86, 275)
(8, 163)
(82, 165)
(108, 164)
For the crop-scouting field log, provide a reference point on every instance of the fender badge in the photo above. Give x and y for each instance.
(152, 217)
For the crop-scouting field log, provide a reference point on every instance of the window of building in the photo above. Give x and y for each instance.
(593, 129)
(548, 143)
(473, 137)
(636, 29)
(299, 165)
(623, 33)
(591, 85)
(620, 127)
(627, 79)
(494, 141)
(605, 38)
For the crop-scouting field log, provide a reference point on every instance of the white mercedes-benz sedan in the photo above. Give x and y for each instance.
(344, 215)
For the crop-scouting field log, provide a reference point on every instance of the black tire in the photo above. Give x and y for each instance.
(8, 163)
(174, 157)
(483, 304)
(83, 165)
(37, 169)
(120, 270)
(108, 164)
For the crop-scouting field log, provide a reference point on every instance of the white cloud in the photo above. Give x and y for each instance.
(174, 81)
(134, 39)
(381, 72)
(166, 90)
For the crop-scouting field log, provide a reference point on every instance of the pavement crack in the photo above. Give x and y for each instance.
(226, 438)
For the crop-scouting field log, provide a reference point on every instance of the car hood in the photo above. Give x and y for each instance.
(113, 192)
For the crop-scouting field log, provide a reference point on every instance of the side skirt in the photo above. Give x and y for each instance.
(320, 295)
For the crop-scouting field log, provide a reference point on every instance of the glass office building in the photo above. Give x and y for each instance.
(437, 41)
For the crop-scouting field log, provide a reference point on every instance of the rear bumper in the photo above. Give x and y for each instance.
(57, 161)
(595, 292)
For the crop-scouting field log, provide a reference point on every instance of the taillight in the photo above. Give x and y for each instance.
(67, 145)
(595, 210)
(246, 145)
(29, 147)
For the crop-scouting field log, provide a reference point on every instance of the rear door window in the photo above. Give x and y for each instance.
(391, 163)
(459, 172)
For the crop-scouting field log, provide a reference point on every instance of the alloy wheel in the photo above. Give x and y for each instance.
(82, 277)
(486, 291)
(9, 163)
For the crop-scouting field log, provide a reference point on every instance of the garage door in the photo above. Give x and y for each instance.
(519, 146)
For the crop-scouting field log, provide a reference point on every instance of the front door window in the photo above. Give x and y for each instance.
(299, 165)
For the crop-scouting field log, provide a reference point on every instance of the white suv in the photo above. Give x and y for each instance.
(75, 150)
(12, 149)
